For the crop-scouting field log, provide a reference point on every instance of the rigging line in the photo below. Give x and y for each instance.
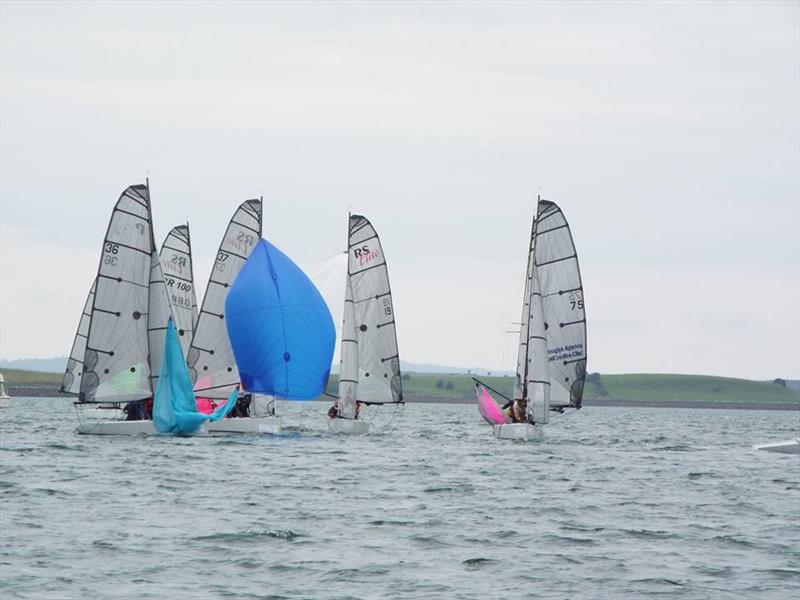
(168, 274)
(368, 269)
(366, 239)
(555, 260)
(202, 349)
(562, 325)
(552, 214)
(120, 280)
(359, 226)
(379, 325)
(567, 362)
(232, 253)
(215, 387)
(127, 212)
(488, 387)
(108, 241)
(538, 233)
(140, 200)
(245, 226)
(174, 249)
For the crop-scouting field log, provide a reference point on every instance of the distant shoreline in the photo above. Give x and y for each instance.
(46, 391)
(605, 402)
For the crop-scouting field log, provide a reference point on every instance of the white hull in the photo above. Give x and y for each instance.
(5, 401)
(271, 425)
(787, 447)
(90, 427)
(518, 431)
(348, 426)
(125, 428)
(105, 414)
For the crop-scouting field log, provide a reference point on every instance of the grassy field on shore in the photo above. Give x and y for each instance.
(630, 387)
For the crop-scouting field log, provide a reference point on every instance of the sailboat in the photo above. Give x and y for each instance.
(369, 373)
(176, 264)
(211, 362)
(5, 399)
(551, 359)
(116, 356)
(280, 329)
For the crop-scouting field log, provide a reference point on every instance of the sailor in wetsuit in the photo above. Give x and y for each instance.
(515, 411)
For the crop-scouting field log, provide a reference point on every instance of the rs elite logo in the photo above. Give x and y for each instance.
(364, 255)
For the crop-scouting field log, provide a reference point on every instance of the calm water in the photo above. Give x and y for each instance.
(615, 503)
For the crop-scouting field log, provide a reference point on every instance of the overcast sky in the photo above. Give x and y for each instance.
(669, 133)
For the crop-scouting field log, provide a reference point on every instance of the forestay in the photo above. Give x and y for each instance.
(116, 359)
(280, 327)
(176, 264)
(71, 384)
(211, 362)
(370, 363)
(562, 304)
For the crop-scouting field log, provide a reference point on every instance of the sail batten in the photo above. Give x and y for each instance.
(211, 361)
(370, 364)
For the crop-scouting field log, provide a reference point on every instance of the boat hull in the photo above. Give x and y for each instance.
(518, 431)
(785, 447)
(125, 428)
(5, 401)
(269, 425)
(348, 426)
(90, 427)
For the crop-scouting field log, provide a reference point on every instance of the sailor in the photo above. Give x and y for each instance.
(515, 410)
(333, 411)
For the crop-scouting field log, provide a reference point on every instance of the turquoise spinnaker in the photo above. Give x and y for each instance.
(174, 404)
(280, 327)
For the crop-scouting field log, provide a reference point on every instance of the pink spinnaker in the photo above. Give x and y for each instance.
(206, 405)
(488, 408)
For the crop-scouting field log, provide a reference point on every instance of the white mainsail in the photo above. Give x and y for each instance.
(71, 384)
(563, 309)
(116, 365)
(176, 265)
(370, 367)
(210, 357)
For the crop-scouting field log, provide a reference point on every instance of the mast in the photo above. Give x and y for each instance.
(523, 360)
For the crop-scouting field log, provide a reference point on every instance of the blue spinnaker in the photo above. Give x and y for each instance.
(174, 405)
(280, 328)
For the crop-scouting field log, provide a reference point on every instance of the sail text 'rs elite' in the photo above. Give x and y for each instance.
(365, 254)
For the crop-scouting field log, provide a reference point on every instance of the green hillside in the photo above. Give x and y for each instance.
(642, 387)
(646, 386)
(631, 387)
(21, 377)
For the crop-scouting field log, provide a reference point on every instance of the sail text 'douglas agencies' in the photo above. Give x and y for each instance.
(565, 352)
